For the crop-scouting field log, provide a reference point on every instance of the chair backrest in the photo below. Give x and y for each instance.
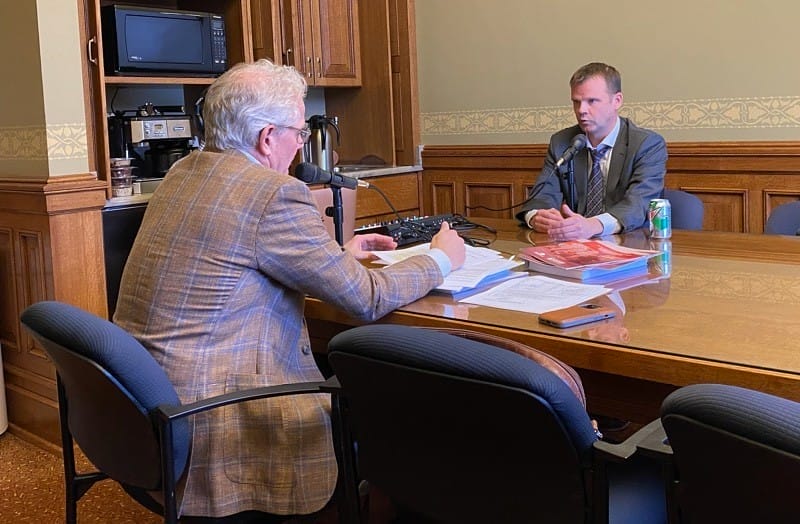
(462, 431)
(784, 220)
(736, 454)
(687, 209)
(323, 197)
(110, 384)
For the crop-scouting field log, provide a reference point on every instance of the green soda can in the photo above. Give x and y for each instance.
(660, 215)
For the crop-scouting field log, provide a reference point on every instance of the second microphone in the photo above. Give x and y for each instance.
(312, 174)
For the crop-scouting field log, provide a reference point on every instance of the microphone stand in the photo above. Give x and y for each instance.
(572, 200)
(566, 175)
(337, 214)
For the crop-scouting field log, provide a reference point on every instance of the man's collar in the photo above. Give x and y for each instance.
(252, 159)
(611, 138)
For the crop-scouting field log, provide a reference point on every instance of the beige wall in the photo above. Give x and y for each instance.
(42, 119)
(704, 70)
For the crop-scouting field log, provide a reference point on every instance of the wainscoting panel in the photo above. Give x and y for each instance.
(442, 198)
(489, 199)
(739, 182)
(51, 248)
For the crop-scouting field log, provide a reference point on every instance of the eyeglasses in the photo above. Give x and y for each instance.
(304, 133)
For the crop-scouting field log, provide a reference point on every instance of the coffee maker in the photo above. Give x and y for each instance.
(154, 137)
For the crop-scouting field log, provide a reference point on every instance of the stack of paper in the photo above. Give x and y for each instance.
(482, 267)
(587, 260)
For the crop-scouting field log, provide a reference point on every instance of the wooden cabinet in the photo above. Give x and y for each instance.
(318, 37)
(380, 117)
(239, 48)
(402, 189)
(51, 231)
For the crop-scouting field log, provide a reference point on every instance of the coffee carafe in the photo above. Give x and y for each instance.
(319, 148)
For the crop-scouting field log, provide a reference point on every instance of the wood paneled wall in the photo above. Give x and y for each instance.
(402, 190)
(51, 248)
(738, 182)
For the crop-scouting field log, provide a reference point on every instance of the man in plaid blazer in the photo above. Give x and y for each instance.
(214, 287)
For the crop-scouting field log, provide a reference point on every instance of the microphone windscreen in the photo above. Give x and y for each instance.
(307, 172)
(579, 142)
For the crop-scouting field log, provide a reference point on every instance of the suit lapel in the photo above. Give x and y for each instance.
(618, 156)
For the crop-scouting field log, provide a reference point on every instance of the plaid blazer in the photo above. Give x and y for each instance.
(214, 287)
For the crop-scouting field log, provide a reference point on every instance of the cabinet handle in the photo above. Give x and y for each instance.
(310, 71)
(319, 67)
(90, 45)
(288, 60)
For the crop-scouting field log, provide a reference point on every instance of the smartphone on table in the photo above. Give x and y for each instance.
(576, 315)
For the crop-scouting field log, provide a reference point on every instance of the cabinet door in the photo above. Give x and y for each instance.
(336, 42)
(320, 38)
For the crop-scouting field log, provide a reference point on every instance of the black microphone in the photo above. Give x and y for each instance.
(312, 174)
(578, 144)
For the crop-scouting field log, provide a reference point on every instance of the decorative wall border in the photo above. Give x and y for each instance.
(708, 113)
(53, 142)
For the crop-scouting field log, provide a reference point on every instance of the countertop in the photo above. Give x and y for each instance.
(369, 172)
(351, 171)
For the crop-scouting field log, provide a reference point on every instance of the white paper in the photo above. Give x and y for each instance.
(536, 294)
(474, 256)
(470, 275)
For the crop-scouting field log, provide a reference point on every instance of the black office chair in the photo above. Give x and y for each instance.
(784, 220)
(687, 209)
(735, 455)
(455, 430)
(118, 405)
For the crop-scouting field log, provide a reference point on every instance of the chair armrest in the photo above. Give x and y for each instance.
(301, 388)
(647, 437)
(606, 453)
(331, 385)
(656, 445)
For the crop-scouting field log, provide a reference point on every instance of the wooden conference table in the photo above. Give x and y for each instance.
(727, 312)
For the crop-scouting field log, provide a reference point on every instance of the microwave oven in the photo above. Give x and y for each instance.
(146, 40)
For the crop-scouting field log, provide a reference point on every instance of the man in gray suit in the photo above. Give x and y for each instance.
(630, 164)
(215, 287)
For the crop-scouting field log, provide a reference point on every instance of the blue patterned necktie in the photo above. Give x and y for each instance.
(595, 191)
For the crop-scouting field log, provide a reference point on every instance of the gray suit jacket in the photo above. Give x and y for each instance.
(635, 176)
(214, 288)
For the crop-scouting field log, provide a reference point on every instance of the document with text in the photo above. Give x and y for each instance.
(482, 267)
(536, 294)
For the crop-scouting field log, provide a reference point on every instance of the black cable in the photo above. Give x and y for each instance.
(425, 234)
(534, 193)
(386, 199)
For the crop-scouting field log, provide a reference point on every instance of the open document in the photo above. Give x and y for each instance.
(482, 267)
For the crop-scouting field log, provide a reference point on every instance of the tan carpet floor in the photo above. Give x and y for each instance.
(32, 490)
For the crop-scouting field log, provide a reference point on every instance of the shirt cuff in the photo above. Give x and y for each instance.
(610, 224)
(529, 216)
(441, 259)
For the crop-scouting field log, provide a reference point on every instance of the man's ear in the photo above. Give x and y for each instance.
(618, 99)
(266, 139)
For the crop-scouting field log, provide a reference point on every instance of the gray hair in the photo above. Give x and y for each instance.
(248, 97)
